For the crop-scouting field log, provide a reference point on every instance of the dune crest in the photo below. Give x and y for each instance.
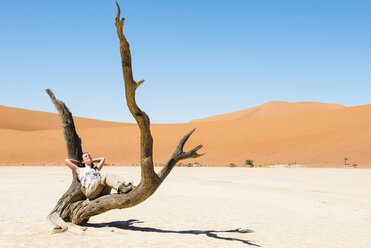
(273, 108)
(31, 120)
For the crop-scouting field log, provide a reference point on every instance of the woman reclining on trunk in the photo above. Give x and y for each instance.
(93, 183)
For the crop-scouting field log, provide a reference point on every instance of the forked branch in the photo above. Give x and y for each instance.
(179, 154)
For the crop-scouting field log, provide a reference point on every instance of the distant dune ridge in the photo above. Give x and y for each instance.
(273, 108)
(305, 133)
(30, 120)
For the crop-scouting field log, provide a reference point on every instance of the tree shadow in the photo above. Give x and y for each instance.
(129, 225)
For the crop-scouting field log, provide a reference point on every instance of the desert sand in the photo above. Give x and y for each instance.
(306, 133)
(31, 120)
(273, 108)
(200, 207)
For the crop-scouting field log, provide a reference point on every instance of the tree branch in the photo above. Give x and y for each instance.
(73, 141)
(146, 140)
(74, 150)
(178, 155)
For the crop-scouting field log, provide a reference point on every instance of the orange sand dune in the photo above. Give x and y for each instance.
(28, 120)
(274, 108)
(317, 138)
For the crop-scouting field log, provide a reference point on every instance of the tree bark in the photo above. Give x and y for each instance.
(73, 205)
(74, 150)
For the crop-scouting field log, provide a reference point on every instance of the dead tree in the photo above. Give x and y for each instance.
(73, 205)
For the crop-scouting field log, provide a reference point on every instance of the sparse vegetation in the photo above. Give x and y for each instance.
(354, 165)
(264, 165)
(346, 161)
(196, 164)
(249, 162)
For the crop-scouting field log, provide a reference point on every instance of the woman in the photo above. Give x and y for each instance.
(93, 183)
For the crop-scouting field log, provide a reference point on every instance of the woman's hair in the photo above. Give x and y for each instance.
(81, 164)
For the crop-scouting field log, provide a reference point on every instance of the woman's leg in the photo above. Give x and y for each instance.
(114, 181)
(105, 191)
(94, 190)
(110, 180)
(106, 182)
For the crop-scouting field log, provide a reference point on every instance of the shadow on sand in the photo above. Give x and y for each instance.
(129, 225)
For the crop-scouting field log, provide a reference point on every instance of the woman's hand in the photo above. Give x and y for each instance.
(95, 160)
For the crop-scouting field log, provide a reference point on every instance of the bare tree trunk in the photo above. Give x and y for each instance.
(73, 206)
(74, 150)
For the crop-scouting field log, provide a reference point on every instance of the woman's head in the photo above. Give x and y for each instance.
(86, 159)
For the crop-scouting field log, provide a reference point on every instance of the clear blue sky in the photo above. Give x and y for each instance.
(199, 58)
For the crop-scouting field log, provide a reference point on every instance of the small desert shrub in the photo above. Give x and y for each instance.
(346, 161)
(354, 165)
(264, 165)
(249, 162)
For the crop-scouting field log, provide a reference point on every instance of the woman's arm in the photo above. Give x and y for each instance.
(71, 163)
(100, 162)
(74, 161)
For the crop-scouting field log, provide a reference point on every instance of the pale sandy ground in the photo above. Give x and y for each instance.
(200, 207)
